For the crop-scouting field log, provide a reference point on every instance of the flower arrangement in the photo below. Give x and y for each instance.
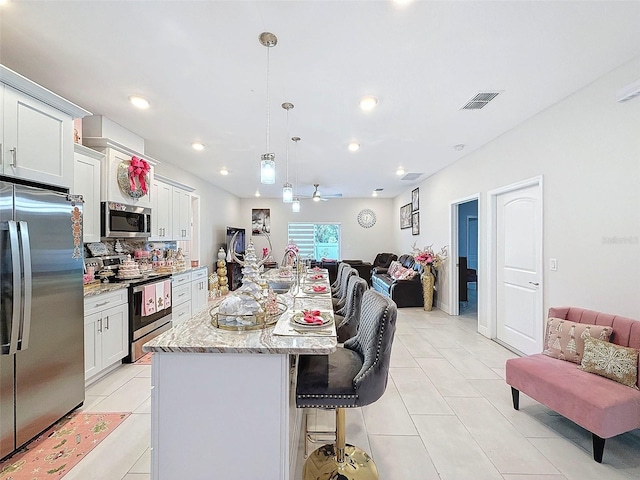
(427, 257)
(291, 247)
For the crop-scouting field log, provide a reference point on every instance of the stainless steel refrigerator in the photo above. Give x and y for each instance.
(41, 313)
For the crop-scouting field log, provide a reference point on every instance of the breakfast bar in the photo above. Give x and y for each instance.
(223, 402)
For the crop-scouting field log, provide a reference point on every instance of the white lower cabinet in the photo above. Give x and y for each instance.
(106, 331)
(199, 289)
(180, 298)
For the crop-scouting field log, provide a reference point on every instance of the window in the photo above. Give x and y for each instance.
(316, 240)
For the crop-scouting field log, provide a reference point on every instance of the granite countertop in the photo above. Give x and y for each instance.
(103, 288)
(198, 335)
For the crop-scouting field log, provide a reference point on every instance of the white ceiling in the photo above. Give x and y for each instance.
(204, 71)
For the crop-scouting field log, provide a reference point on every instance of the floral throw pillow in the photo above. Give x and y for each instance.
(399, 272)
(565, 339)
(393, 267)
(408, 274)
(611, 361)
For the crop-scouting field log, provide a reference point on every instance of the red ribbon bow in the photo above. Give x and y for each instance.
(138, 169)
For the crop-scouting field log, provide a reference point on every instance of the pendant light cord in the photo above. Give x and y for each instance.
(268, 116)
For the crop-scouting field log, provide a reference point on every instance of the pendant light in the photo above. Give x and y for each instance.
(268, 160)
(295, 205)
(287, 189)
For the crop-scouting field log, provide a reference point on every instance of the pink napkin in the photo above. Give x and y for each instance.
(167, 293)
(159, 296)
(319, 288)
(148, 300)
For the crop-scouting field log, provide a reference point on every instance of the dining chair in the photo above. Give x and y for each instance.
(348, 317)
(353, 376)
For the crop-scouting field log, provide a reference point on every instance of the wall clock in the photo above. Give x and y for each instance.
(366, 218)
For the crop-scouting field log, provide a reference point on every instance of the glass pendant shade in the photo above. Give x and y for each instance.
(268, 168)
(295, 205)
(287, 193)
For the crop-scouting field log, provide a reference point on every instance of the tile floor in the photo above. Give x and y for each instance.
(446, 414)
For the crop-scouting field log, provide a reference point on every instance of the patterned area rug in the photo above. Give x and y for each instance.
(59, 449)
(145, 359)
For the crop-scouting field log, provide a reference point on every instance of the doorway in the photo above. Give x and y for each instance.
(463, 293)
(516, 266)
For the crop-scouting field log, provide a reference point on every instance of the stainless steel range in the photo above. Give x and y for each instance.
(142, 328)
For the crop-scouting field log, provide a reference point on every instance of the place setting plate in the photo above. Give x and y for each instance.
(297, 319)
(307, 290)
(316, 277)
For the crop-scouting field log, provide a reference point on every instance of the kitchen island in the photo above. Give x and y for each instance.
(223, 402)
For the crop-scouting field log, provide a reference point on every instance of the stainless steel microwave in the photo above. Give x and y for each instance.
(118, 220)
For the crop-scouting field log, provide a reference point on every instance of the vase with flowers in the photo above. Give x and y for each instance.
(429, 260)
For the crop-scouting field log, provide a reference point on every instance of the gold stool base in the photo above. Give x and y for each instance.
(322, 465)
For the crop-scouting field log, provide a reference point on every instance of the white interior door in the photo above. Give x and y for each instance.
(518, 269)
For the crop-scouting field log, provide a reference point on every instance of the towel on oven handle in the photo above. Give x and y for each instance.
(148, 300)
(159, 296)
(167, 293)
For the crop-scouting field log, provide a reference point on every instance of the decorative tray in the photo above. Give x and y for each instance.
(241, 323)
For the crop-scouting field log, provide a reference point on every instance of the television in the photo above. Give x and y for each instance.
(240, 239)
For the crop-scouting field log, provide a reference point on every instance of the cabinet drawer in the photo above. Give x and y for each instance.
(181, 279)
(180, 295)
(198, 274)
(105, 300)
(180, 313)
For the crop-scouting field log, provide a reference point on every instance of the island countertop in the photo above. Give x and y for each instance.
(198, 335)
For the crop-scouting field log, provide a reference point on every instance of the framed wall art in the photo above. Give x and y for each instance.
(415, 223)
(415, 200)
(405, 216)
(260, 221)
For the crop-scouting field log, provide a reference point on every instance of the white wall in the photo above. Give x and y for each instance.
(587, 148)
(357, 242)
(218, 209)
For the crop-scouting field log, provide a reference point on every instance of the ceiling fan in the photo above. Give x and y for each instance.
(317, 196)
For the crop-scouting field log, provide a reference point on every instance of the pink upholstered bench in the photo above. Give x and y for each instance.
(602, 406)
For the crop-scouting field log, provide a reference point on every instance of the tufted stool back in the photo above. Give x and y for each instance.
(348, 317)
(340, 297)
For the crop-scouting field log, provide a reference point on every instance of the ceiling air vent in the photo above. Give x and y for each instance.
(480, 100)
(378, 189)
(411, 176)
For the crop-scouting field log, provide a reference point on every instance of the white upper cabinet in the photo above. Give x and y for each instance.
(161, 211)
(181, 214)
(37, 131)
(86, 182)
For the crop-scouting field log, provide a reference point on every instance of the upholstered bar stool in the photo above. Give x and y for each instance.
(339, 299)
(353, 376)
(348, 317)
(335, 286)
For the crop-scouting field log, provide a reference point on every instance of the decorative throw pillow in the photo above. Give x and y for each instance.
(565, 339)
(393, 267)
(408, 274)
(399, 272)
(611, 361)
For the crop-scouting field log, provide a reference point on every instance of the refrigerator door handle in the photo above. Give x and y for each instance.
(26, 262)
(17, 287)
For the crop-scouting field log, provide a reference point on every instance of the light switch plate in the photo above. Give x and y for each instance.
(554, 265)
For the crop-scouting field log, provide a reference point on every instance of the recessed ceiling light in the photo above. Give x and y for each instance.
(224, 171)
(257, 194)
(197, 146)
(402, 3)
(368, 103)
(139, 102)
(459, 147)
(400, 171)
(374, 194)
(354, 146)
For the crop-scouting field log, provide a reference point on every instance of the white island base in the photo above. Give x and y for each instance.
(222, 416)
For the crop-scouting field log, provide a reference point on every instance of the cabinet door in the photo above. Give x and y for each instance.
(86, 182)
(164, 211)
(181, 214)
(198, 295)
(115, 334)
(92, 346)
(38, 140)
